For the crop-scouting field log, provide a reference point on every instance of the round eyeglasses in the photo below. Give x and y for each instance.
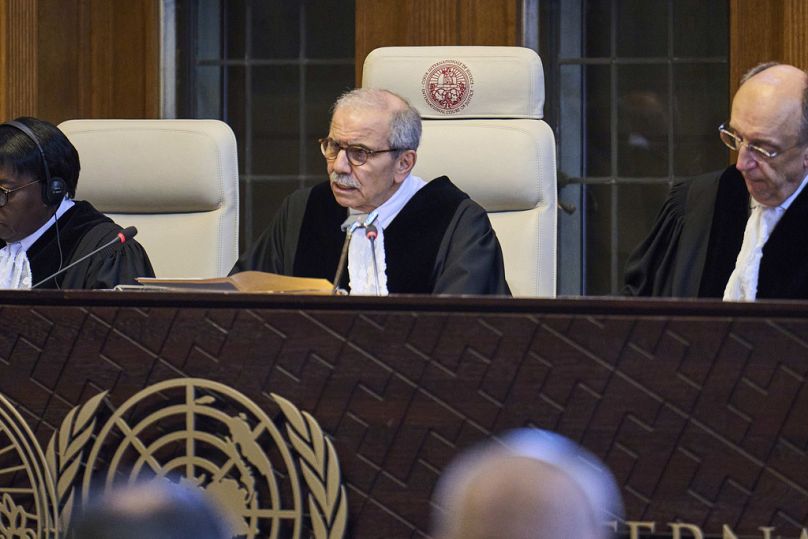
(357, 155)
(734, 143)
(4, 192)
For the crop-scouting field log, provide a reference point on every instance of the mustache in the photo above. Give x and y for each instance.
(344, 180)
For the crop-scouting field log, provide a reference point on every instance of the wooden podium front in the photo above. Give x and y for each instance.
(696, 406)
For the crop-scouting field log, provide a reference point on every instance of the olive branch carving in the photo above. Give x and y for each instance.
(328, 506)
(65, 454)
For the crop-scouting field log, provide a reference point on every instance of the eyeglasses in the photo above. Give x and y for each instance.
(357, 155)
(734, 143)
(4, 192)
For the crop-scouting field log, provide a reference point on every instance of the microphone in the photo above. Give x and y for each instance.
(371, 234)
(123, 236)
(348, 226)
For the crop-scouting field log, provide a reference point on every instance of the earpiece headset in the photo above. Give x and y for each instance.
(53, 189)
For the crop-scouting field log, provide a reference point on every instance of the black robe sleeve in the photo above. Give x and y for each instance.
(78, 232)
(274, 250)
(670, 261)
(116, 264)
(469, 260)
(650, 267)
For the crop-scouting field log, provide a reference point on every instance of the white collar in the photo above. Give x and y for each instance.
(29, 240)
(787, 202)
(393, 205)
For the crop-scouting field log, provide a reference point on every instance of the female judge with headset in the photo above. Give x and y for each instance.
(43, 230)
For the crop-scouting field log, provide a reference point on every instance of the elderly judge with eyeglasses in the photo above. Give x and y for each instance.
(741, 236)
(399, 233)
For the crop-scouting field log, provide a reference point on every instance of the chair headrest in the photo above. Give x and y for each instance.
(160, 166)
(461, 82)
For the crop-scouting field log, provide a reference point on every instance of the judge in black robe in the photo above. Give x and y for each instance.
(440, 243)
(692, 249)
(81, 230)
(436, 239)
(39, 170)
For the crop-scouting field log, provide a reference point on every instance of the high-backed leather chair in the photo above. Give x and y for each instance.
(482, 110)
(175, 180)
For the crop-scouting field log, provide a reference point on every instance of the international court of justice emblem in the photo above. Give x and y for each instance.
(448, 86)
(275, 478)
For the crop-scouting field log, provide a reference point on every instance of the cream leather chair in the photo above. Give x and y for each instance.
(482, 110)
(175, 180)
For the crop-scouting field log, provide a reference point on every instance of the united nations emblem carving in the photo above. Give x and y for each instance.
(27, 499)
(448, 86)
(277, 478)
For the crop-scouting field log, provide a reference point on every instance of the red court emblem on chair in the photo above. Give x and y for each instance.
(448, 86)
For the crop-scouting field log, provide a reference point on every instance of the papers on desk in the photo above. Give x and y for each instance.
(246, 281)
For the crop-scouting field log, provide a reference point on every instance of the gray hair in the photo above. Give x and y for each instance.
(803, 133)
(554, 468)
(757, 69)
(405, 122)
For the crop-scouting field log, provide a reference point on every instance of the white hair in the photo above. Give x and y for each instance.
(405, 122)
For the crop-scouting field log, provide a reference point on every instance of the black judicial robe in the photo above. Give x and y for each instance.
(440, 243)
(82, 229)
(691, 250)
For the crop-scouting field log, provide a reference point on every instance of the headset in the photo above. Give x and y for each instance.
(53, 189)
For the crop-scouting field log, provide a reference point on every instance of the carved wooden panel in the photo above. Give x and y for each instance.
(697, 407)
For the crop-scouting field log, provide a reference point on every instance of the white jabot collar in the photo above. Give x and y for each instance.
(15, 268)
(360, 256)
(393, 205)
(743, 282)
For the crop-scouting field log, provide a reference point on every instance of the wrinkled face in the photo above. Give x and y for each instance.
(364, 187)
(762, 117)
(24, 212)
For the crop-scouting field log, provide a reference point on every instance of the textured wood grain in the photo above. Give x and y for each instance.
(19, 50)
(384, 23)
(65, 59)
(767, 31)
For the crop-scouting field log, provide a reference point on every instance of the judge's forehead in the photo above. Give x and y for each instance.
(764, 113)
(349, 125)
(772, 94)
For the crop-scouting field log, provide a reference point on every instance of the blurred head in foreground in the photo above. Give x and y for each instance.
(154, 510)
(533, 485)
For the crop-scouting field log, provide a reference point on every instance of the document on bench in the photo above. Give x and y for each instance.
(246, 281)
